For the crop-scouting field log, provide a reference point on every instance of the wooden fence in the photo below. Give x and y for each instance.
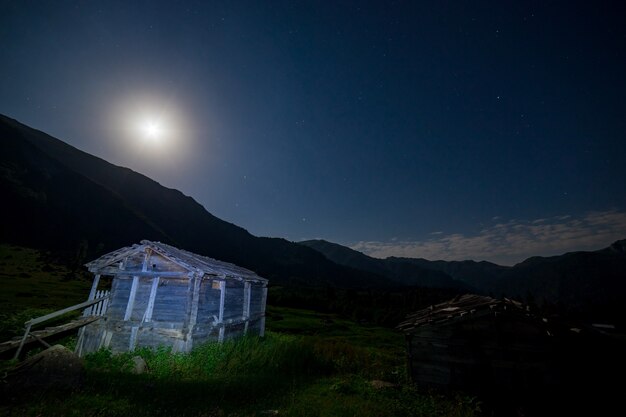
(100, 308)
(94, 307)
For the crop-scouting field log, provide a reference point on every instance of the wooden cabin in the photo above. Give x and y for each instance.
(479, 345)
(164, 296)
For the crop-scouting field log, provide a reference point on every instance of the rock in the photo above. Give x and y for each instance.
(56, 367)
(139, 365)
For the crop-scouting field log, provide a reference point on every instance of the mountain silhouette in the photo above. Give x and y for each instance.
(395, 269)
(58, 197)
(589, 284)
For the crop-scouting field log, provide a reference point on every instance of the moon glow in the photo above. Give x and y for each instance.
(150, 126)
(152, 131)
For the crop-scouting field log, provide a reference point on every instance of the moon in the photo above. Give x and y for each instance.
(150, 125)
(152, 131)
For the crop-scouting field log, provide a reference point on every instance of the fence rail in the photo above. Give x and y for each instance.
(95, 307)
(100, 308)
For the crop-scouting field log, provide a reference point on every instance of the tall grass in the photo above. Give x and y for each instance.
(251, 376)
(300, 375)
(275, 355)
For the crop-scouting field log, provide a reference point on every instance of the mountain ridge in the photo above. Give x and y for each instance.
(59, 196)
(588, 282)
(405, 273)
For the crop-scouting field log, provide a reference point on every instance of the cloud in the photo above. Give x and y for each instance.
(509, 242)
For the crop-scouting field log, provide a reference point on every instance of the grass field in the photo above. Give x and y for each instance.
(309, 364)
(31, 286)
(28, 280)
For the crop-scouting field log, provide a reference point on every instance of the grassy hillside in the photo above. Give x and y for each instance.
(309, 364)
(32, 285)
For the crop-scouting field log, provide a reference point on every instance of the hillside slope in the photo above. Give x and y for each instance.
(591, 284)
(59, 197)
(405, 273)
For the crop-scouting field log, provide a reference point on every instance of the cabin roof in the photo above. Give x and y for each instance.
(192, 262)
(458, 307)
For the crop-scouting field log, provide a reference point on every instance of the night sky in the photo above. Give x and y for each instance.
(444, 129)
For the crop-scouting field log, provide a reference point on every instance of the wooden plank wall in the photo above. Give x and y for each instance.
(168, 323)
(209, 302)
(257, 304)
(171, 300)
(207, 327)
(92, 337)
(120, 290)
(142, 295)
(233, 303)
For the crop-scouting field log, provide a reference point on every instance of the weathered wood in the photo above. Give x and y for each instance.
(173, 301)
(92, 293)
(100, 310)
(29, 336)
(194, 310)
(246, 300)
(108, 335)
(133, 338)
(96, 309)
(220, 317)
(40, 340)
(181, 307)
(144, 266)
(263, 302)
(138, 272)
(478, 350)
(246, 305)
(105, 303)
(187, 260)
(21, 345)
(131, 298)
(264, 299)
(142, 296)
(153, 292)
(133, 289)
(58, 313)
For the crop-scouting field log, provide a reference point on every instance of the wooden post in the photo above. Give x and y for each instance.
(108, 337)
(78, 350)
(106, 302)
(220, 319)
(87, 312)
(246, 305)
(153, 291)
(133, 289)
(19, 349)
(146, 260)
(40, 340)
(131, 299)
(263, 301)
(133, 338)
(193, 315)
(95, 310)
(92, 294)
